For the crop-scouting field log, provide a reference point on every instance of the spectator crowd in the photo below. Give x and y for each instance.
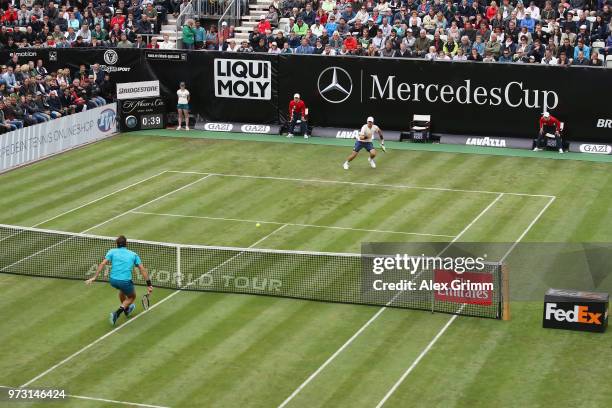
(86, 23)
(542, 31)
(31, 94)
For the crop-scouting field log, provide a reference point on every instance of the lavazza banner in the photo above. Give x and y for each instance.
(27, 145)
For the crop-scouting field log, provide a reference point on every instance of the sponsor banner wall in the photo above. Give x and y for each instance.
(134, 90)
(140, 114)
(478, 99)
(225, 88)
(252, 128)
(488, 141)
(33, 143)
(463, 98)
(591, 148)
(347, 133)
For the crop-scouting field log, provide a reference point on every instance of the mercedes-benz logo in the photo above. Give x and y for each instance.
(111, 57)
(335, 84)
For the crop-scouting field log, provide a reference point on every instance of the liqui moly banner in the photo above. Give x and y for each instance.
(460, 288)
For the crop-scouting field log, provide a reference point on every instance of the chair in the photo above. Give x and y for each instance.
(609, 61)
(551, 142)
(420, 129)
(597, 45)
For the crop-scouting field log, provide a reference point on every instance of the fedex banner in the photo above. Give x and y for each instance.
(452, 287)
(27, 145)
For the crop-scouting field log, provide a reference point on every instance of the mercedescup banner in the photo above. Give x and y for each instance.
(33, 143)
(462, 98)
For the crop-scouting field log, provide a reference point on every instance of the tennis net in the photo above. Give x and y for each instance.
(319, 276)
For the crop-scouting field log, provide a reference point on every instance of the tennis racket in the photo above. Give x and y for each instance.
(146, 301)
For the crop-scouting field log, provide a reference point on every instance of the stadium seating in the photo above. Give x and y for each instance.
(165, 23)
(347, 20)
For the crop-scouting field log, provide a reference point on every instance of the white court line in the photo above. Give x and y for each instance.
(98, 199)
(291, 224)
(452, 319)
(378, 313)
(88, 203)
(147, 203)
(129, 321)
(520, 238)
(106, 222)
(355, 183)
(419, 358)
(93, 343)
(170, 296)
(134, 404)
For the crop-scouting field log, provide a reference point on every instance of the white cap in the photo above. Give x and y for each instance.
(370, 119)
(297, 95)
(583, 27)
(224, 23)
(546, 114)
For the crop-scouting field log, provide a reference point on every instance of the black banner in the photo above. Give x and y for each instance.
(139, 114)
(463, 98)
(468, 98)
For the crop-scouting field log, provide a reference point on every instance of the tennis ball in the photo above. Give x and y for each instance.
(258, 225)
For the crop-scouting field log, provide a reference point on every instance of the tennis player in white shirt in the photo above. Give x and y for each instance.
(364, 141)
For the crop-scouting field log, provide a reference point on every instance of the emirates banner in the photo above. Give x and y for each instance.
(452, 287)
(463, 98)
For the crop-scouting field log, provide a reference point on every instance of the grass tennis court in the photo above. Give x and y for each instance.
(196, 349)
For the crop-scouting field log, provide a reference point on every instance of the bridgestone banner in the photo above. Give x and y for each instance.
(33, 143)
(136, 90)
(463, 98)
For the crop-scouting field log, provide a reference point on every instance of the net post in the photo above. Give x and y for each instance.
(505, 292)
(433, 292)
(179, 277)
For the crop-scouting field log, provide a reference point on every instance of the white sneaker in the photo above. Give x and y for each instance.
(372, 164)
(289, 134)
(560, 150)
(186, 127)
(305, 136)
(178, 128)
(536, 149)
(345, 166)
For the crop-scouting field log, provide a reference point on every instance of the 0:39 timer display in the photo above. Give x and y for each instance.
(153, 121)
